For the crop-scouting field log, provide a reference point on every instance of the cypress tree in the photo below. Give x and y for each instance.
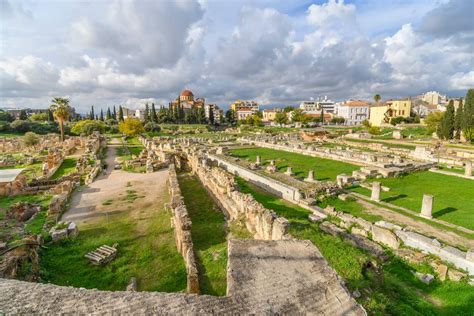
(146, 116)
(467, 123)
(101, 117)
(23, 115)
(120, 113)
(115, 113)
(50, 116)
(154, 117)
(447, 123)
(108, 116)
(201, 116)
(322, 115)
(92, 115)
(458, 120)
(211, 115)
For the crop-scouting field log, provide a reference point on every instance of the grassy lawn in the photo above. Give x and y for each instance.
(387, 144)
(453, 196)
(146, 251)
(393, 290)
(209, 236)
(324, 169)
(67, 167)
(352, 207)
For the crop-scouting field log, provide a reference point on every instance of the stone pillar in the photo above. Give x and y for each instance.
(259, 161)
(289, 171)
(427, 206)
(310, 177)
(272, 162)
(375, 191)
(340, 181)
(468, 169)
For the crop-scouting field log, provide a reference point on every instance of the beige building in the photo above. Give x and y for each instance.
(434, 97)
(243, 113)
(381, 114)
(269, 115)
(244, 105)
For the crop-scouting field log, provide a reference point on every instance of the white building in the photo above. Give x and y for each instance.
(218, 113)
(243, 113)
(140, 114)
(353, 111)
(312, 107)
(434, 97)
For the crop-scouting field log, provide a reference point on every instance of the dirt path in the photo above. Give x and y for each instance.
(132, 190)
(418, 226)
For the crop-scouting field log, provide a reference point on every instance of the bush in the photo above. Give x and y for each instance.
(366, 123)
(4, 126)
(20, 126)
(131, 127)
(87, 127)
(39, 117)
(112, 129)
(44, 128)
(374, 130)
(5, 116)
(152, 127)
(397, 120)
(30, 139)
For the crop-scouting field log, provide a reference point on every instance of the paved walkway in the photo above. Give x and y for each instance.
(88, 202)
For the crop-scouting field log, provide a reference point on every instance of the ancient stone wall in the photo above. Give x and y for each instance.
(182, 231)
(261, 222)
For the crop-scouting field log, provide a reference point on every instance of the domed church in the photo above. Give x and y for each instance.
(186, 100)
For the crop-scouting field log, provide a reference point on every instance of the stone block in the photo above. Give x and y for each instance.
(58, 234)
(455, 275)
(72, 230)
(385, 236)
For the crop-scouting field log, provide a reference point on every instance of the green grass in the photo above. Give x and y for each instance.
(416, 132)
(387, 144)
(147, 251)
(209, 236)
(453, 196)
(352, 207)
(324, 169)
(393, 290)
(67, 167)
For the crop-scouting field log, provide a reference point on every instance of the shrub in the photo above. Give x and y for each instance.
(366, 123)
(374, 130)
(30, 139)
(397, 120)
(131, 126)
(152, 127)
(39, 117)
(20, 126)
(87, 127)
(4, 126)
(5, 116)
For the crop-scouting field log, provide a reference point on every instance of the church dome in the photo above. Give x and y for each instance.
(186, 93)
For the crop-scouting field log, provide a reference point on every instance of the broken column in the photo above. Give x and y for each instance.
(259, 161)
(468, 169)
(289, 171)
(427, 206)
(310, 177)
(375, 196)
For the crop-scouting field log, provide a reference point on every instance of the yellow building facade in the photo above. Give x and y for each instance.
(381, 114)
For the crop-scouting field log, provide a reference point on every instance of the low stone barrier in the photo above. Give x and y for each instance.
(182, 231)
(261, 222)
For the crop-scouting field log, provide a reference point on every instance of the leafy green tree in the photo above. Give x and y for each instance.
(108, 115)
(230, 116)
(201, 116)
(20, 126)
(162, 115)
(467, 124)
(432, 121)
(50, 116)
(298, 115)
(446, 126)
(288, 108)
(120, 113)
(23, 116)
(87, 127)
(152, 127)
(366, 123)
(154, 117)
(39, 117)
(131, 126)
(281, 118)
(5, 116)
(61, 111)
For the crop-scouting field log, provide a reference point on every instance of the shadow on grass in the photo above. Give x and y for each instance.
(444, 211)
(394, 198)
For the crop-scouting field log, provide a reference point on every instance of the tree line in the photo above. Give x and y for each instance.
(460, 121)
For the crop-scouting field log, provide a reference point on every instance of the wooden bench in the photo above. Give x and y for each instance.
(102, 255)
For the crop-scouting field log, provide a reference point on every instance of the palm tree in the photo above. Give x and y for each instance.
(377, 98)
(61, 111)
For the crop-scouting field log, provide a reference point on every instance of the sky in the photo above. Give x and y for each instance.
(277, 52)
